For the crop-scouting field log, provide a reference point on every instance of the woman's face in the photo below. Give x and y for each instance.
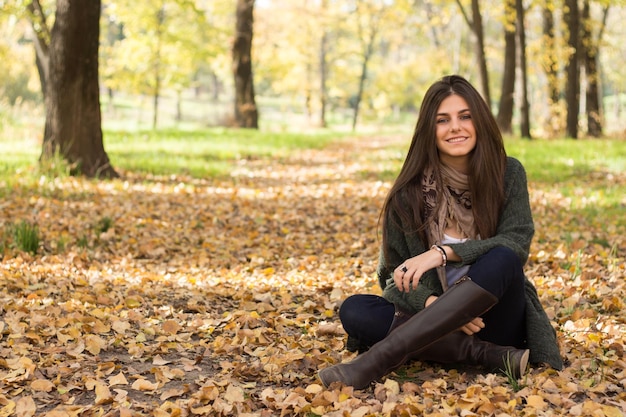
(456, 135)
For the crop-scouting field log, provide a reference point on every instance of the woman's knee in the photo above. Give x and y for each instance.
(503, 258)
(366, 316)
(348, 308)
(498, 271)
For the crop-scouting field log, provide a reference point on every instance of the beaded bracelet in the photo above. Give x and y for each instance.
(444, 257)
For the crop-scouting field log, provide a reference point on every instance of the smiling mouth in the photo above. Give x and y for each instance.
(457, 139)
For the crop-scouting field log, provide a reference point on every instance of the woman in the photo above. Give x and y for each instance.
(456, 232)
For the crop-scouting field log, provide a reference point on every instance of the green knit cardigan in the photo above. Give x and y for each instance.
(515, 231)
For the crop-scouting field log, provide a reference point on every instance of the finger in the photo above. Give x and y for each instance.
(467, 331)
(415, 281)
(407, 281)
(478, 322)
(396, 278)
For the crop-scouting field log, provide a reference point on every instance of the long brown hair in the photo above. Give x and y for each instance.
(486, 167)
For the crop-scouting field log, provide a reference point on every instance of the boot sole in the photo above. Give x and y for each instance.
(523, 363)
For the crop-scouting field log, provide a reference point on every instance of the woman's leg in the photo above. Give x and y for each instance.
(500, 272)
(366, 318)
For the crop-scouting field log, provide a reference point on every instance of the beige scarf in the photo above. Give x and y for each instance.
(455, 208)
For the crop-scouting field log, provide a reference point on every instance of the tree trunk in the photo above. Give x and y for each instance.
(572, 89)
(246, 113)
(367, 36)
(156, 91)
(590, 52)
(505, 108)
(551, 65)
(477, 18)
(521, 36)
(476, 25)
(42, 36)
(323, 75)
(73, 119)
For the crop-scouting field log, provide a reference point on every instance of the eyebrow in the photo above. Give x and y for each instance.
(459, 112)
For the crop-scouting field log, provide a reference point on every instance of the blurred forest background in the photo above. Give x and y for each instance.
(549, 68)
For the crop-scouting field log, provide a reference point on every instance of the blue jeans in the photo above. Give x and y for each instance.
(367, 318)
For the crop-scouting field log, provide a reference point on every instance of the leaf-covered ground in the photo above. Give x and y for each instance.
(182, 297)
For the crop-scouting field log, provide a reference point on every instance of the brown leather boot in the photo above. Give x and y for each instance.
(456, 307)
(457, 347)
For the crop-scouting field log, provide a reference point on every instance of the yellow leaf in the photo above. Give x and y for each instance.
(392, 386)
(103, 395)
(343, 397)
(8, 410)
(94, 344)
(132, 302)
(536, 401)
(118, 379)
(314, 389)
(595, 337)
(610, 411)
(144, 385)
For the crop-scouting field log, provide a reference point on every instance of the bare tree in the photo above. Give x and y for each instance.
(323, 59)
(476, 25)
(246, 112)
(591, 48)
(368, 25)
(521, 38)
(549, 59)
(505, 109)
(41, 41)
(572, 89)
(72, 96)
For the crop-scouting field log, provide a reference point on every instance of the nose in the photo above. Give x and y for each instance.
(454, 125)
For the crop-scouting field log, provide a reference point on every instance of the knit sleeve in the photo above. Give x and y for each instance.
(414, 300)
(515, 229)
(402, 246)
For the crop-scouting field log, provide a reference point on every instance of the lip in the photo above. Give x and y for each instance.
(457, 139)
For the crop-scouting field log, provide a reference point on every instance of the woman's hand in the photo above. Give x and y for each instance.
(473, 326)
(408, 274)
(470, 328)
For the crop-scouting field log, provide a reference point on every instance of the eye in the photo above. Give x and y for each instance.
(466, 116)
(441, 120)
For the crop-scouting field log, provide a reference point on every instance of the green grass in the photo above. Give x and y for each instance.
(25, 236)
(586, 166)
(200, 153)
(563, 160)
(587, 172)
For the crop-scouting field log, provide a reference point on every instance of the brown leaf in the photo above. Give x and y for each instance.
(25, 407)
(171, 326)
(42, 385)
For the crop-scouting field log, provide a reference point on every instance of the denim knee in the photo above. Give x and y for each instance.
(504, 258)
(498, 270)
(348, 311)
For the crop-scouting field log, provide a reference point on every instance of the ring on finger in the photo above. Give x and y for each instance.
(403, 268)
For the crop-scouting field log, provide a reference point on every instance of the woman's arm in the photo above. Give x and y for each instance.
(402, 247)
(515, 228)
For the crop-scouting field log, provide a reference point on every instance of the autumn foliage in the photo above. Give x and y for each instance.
(178, 296)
